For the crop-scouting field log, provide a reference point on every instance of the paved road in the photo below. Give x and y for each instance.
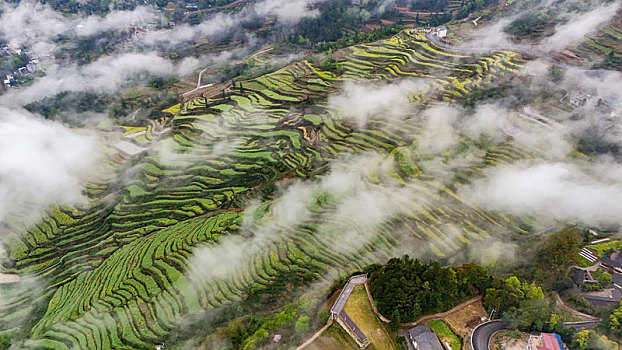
(582, 325)
(482, 334)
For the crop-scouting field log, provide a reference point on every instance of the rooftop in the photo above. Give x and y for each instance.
(129, 149)
(357, 331)
(551, 341)
(615, 260)
(425, 338)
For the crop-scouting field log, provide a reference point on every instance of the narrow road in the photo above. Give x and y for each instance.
(209, 9)
(482, 334)
(586, 317)
(583, 325)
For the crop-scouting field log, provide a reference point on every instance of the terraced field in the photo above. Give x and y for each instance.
(604, 44)
(120, 274)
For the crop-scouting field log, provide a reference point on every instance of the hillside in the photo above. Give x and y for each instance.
(121, 273)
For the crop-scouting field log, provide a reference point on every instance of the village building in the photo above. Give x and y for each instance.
(613, 262)
(578, 99)
(339, 315)
(422, 338)
(581, 277)
(545, 341)
(128, 149)
(441, 32)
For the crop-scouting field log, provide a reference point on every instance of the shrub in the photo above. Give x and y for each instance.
(302, 325)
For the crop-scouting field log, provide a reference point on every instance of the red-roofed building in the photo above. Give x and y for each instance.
(546, 341)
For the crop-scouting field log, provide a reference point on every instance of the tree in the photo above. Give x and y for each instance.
(322, 315)
(589, 339)
(604, 279)
(614, 322)
(581, 340)
(406, 288)
(521, 303)
(534, 314)
(5, 341)
(396, 321)
(563, 284)
(560, 248)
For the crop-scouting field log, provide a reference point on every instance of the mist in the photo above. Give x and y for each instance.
(32, 24)
(559, 191)
(106, 75)
(360, 101)
(43, 163)
(578, 26)
(287, 13)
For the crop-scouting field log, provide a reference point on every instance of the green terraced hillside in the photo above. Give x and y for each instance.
(119, 274)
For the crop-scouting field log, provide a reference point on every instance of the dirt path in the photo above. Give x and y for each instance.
(559, 302)
(426, 318)
(314, 336)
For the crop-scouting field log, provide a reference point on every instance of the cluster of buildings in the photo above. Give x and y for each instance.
(12, 79)
(607, 297)
(440, 32)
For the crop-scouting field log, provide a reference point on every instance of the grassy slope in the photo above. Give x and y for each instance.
(445, 334)
(334, 338)
(359, 309)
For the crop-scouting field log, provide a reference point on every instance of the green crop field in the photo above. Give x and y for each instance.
(445, 334)
(601, 248)
(117, 273)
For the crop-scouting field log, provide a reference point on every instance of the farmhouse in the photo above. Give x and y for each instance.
(422, 338)
(341, 317)
(442, 32)
(128, 150)
(578, 99)
(546, 341)
(613, 262)
(581, 276)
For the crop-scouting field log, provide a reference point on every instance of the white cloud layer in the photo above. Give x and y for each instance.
(107, 75)
(41, 163)
(557, 191)
(578, 26)
(32, 24)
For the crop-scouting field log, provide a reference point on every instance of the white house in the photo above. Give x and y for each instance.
(442, 32)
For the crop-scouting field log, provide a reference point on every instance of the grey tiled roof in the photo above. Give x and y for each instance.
(357, 331)
(425, 338)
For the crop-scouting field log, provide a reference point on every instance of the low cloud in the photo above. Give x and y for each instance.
(348, 223)
(361, 102)
(578, 26)
(287, 13)
(438, 133)
(41, 163)
(33, 24)
(557, 191)
(105, 75)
